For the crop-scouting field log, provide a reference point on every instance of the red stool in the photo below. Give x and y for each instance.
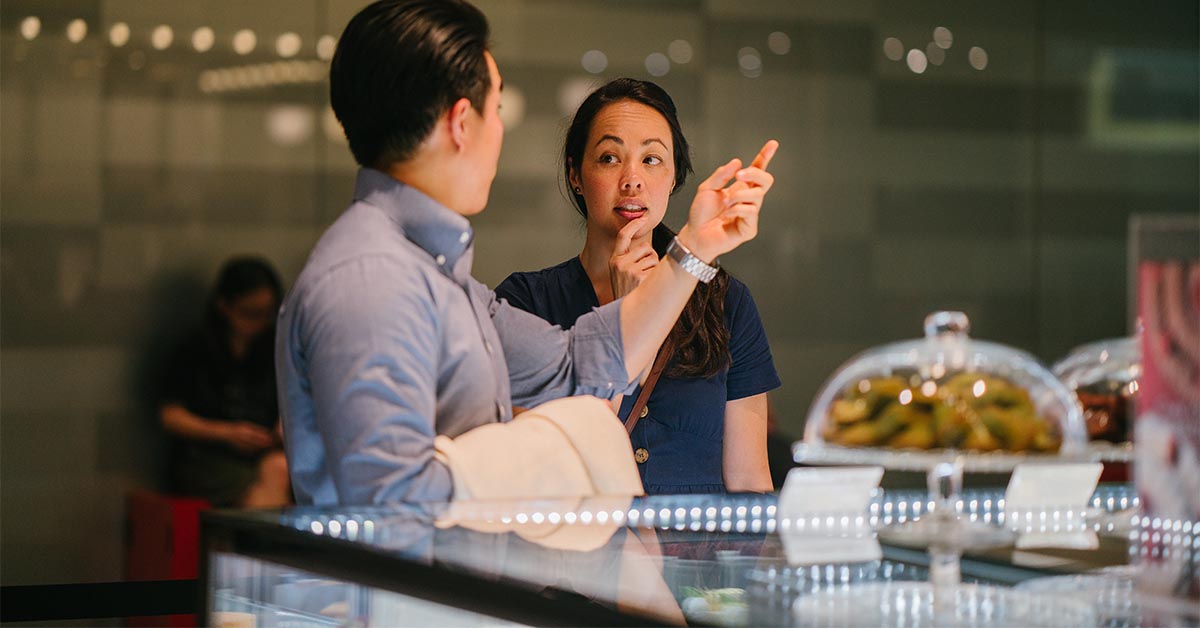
(162, 543)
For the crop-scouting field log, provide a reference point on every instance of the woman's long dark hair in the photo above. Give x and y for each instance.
(239, 277)
(700, 338)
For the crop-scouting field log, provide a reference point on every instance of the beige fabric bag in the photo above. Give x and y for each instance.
(570, 447)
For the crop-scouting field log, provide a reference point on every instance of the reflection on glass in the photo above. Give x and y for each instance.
(572, 93)
(943, 37)
(680, 51)
(203, 39)
(30, 27)
(917, 62)
(750, 62)
(935, 53)
(244, 41)
(76, 31)
(288, 45)
(594, 61)
(779, 43)
(161, 37)
(118, 35)
(512, 107)
(289, 125)
(326, 46)
(978, 57)
(657, 64)
(893, 49)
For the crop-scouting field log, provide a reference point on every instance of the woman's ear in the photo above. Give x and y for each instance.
(456, 117)
(573, 177)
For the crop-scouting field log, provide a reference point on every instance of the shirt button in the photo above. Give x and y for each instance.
(645, 411)
(466, 235)
(441, 260)
(641, 455)
(499, 409)
(487, 346)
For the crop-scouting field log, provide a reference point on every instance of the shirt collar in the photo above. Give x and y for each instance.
(440, 231)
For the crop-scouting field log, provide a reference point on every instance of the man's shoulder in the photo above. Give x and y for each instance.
(363, 238)
(362, 228)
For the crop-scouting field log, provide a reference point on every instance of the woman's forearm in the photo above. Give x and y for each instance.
(180, 422)
(650, 311)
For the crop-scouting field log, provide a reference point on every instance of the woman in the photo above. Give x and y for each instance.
(220, 401)
(705, 425)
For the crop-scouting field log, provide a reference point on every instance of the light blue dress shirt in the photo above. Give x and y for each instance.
(386, 341)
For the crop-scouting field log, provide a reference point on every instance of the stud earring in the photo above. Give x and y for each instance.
(578, 190)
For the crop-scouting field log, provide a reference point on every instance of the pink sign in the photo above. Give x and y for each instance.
(1167, 427)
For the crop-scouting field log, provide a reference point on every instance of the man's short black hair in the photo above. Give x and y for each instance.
(399, 65)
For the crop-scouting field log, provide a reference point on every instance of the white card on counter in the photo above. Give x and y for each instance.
(1046, 490)
(1040, 486)
(830, 495)
(809, 490)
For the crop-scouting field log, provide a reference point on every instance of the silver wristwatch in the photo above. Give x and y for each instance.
(692, 264)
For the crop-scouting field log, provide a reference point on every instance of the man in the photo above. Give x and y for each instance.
(386, 341)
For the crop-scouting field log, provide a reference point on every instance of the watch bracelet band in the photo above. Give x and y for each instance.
(689, 262)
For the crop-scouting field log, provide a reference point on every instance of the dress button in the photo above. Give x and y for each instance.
(641, 455)
(645, 411)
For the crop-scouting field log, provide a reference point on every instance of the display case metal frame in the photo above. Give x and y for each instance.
(234, 532)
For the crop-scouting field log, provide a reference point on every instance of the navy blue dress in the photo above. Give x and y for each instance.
(685, 427)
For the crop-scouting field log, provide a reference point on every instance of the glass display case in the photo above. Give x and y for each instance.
(725, 560)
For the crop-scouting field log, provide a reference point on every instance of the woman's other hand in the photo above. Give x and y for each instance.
(630, 264)
(723, 214)
(248, 438)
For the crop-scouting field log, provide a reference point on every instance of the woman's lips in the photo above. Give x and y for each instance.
(630, 209)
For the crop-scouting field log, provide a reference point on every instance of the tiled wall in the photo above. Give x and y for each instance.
(1001, 192)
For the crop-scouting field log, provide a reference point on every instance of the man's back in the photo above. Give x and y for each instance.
(382, 345)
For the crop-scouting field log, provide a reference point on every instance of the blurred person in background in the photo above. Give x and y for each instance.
(704, 427)
(219, 398)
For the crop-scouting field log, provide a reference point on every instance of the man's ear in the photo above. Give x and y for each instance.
(457, 118)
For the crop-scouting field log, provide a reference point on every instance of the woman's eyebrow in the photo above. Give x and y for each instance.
(621, 142)
(609, 137)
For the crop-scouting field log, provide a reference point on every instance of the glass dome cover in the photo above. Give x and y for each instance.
(946, 393)
(1108, 364)
(1105, 376)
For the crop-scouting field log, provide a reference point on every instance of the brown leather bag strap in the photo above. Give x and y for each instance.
(660, 362)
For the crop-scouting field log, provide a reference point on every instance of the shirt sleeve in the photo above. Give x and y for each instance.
(751, 369)
(545, 362)
(370, 339)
